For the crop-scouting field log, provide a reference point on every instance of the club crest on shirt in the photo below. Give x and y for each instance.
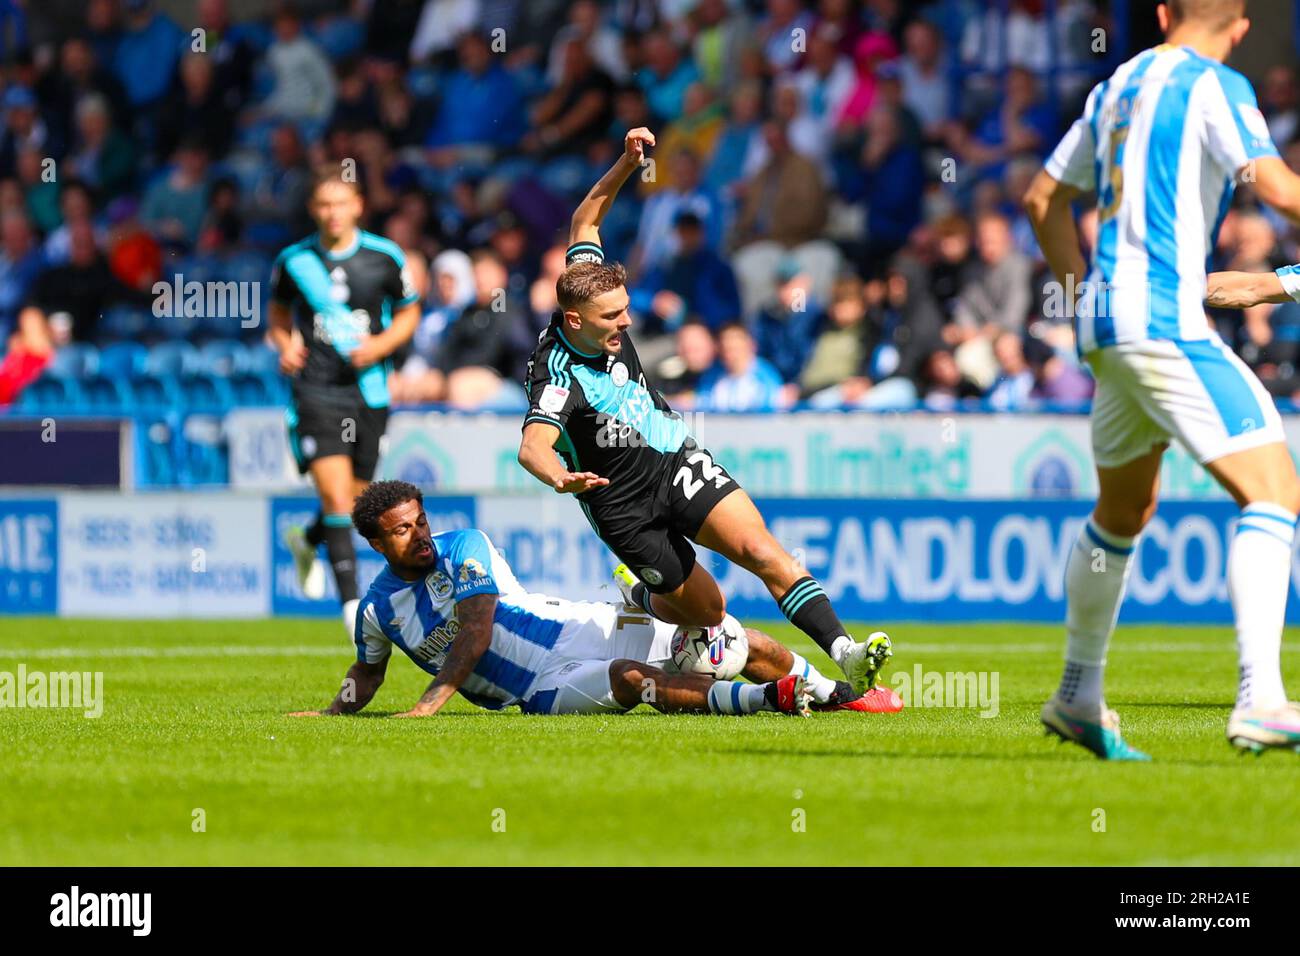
(618, 374)
(440, 586)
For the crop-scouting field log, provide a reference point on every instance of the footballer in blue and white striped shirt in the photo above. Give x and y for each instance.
(1163, 144)
(451, 604)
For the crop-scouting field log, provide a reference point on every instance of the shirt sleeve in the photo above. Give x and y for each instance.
(1236, 132)
(1290, 276)
(584, 252)
(553, 395)
(1074, 161)
(399, 286)
(372, 643)
(283, 289)
(470, 557)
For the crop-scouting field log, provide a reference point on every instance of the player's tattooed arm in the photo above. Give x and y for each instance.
(538, 457)
(359, 687)
(585, 226)
(1241, 290)
(474, 635)
(1047, 204)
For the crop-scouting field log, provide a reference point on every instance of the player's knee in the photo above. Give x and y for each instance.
(1124, 518)
(711, 610)
(761, 554)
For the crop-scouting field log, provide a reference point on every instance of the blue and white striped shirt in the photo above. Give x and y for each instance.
(1162, 141)
(419, 618)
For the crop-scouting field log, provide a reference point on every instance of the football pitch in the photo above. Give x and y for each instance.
(194, 762)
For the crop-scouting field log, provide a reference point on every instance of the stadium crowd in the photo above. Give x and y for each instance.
(831, 217)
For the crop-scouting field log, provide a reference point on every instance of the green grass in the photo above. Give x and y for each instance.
(205, 729)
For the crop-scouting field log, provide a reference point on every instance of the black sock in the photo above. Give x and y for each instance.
(807, 607)
(641, 598)
(337, 532)
(315, 533)
(771, 695)
(843, 693)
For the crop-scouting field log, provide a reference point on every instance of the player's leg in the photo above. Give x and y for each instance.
(333, 477)
(1263, 482)
(735, 529)
(635, 682)
(660, 574)
(771, 660)
(1096, 573)
(601, 686)
(1127, 446)
(1227, 420)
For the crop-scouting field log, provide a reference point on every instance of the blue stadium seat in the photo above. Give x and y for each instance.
(120, 360)
(172, 358)
(249, 389)
(153, 394)
(261, 359)
(205, 393)
(222, 357)
(155, 452)
(203, 456)
(105, 395)
(49, 394)
(75, 360)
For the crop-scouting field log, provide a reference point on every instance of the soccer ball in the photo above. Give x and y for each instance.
(720, 652)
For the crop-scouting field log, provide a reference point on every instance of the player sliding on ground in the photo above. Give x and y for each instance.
(646, 486)
(451, 603)
(1163, 142)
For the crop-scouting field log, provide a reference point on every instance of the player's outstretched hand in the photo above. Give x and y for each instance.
(635, 142)
(576, 482)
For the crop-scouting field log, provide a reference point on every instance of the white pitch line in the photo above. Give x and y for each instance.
(215, 650)
(312, 650)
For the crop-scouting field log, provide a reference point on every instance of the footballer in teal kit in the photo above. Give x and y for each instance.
(342, 302)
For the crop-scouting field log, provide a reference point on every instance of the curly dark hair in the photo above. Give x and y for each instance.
(378, 498)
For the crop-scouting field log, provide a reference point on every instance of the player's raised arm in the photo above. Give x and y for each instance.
(359, 687)
(585, 226)
(474, 614)
(1047, 203)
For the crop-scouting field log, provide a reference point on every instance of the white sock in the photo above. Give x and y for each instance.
(1094, 589)
(839, 646)
(350, 609)
(1259, 575)
(821, 687)
(734, 697)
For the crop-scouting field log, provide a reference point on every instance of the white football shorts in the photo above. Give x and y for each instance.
(1200, 393)
(575, 678)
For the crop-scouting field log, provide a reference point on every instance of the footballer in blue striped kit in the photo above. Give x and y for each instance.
(1163, 144)
(451, 604)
